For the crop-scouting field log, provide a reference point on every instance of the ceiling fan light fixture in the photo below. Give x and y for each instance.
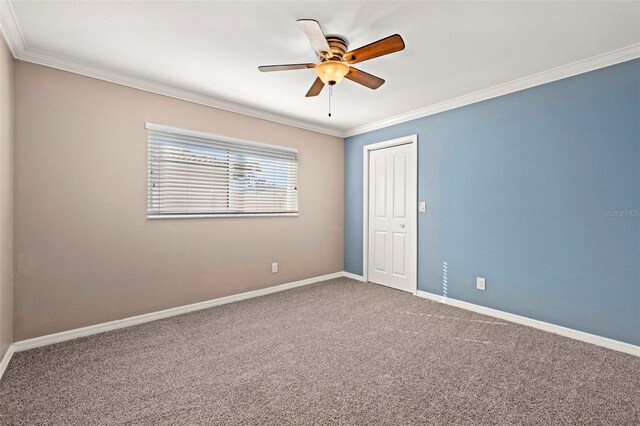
(331, 72)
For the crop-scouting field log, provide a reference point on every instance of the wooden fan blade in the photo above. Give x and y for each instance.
(269, 68)
(366, 79)
(316, 88)
(316, 37)
(382, 47)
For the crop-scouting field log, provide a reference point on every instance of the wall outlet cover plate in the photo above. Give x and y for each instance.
(481, 283)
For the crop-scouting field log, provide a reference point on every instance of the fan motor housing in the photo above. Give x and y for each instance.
(338, 47)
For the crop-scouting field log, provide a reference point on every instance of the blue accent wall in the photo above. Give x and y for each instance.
(538, 191)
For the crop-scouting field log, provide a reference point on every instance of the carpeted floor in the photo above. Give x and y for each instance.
(339, 352)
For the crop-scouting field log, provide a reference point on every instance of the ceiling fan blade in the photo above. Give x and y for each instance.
(366, 79)
(316, 37)
(382, 47)
(269, 68)
(316, 88)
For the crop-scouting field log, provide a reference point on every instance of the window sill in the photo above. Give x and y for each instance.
(196, 216)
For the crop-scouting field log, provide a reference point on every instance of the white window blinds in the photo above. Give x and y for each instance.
(197, 174)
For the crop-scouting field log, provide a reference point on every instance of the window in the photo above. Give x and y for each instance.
(197, 174)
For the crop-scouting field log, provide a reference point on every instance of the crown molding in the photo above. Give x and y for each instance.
(10, 29)
(590, 64)
(148, 85)
(12, 34)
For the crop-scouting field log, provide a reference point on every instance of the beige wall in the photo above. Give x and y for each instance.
(6, 198)
(85, 252)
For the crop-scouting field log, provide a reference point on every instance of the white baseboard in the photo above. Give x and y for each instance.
(5, 360)
(353, 276)
(541, 325)
(50, 339)
(139, 319)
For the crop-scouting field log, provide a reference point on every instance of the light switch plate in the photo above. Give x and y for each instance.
(422, 206)
(481, 283)
(274, 267)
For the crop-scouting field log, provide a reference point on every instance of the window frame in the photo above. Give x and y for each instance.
(227, 140)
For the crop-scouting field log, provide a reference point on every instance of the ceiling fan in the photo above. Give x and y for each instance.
(335, 61)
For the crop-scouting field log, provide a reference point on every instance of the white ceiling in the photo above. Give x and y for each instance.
(214, 48)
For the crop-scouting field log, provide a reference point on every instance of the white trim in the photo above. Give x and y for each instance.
(10, 29)
(13, 36)
(63, 336)
(216, 138)
(5, 359)
(196, 216)
(616, 345)
(569, 70)
(405, 140)
(127, 322)
(353, 276)
(164, 89)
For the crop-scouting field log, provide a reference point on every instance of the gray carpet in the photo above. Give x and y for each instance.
(338, 352)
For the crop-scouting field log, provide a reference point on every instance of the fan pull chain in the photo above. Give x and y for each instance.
(330, 93)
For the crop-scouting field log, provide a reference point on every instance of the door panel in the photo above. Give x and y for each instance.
(399, 189)
(380, 256)
(391, 217)
(380, 187)
(399, 254)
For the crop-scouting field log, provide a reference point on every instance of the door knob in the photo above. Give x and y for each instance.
(401, 225)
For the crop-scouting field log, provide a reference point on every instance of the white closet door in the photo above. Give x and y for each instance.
(391, 188)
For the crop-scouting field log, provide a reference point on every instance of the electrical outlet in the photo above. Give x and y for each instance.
(481, 283)
(274, 267)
